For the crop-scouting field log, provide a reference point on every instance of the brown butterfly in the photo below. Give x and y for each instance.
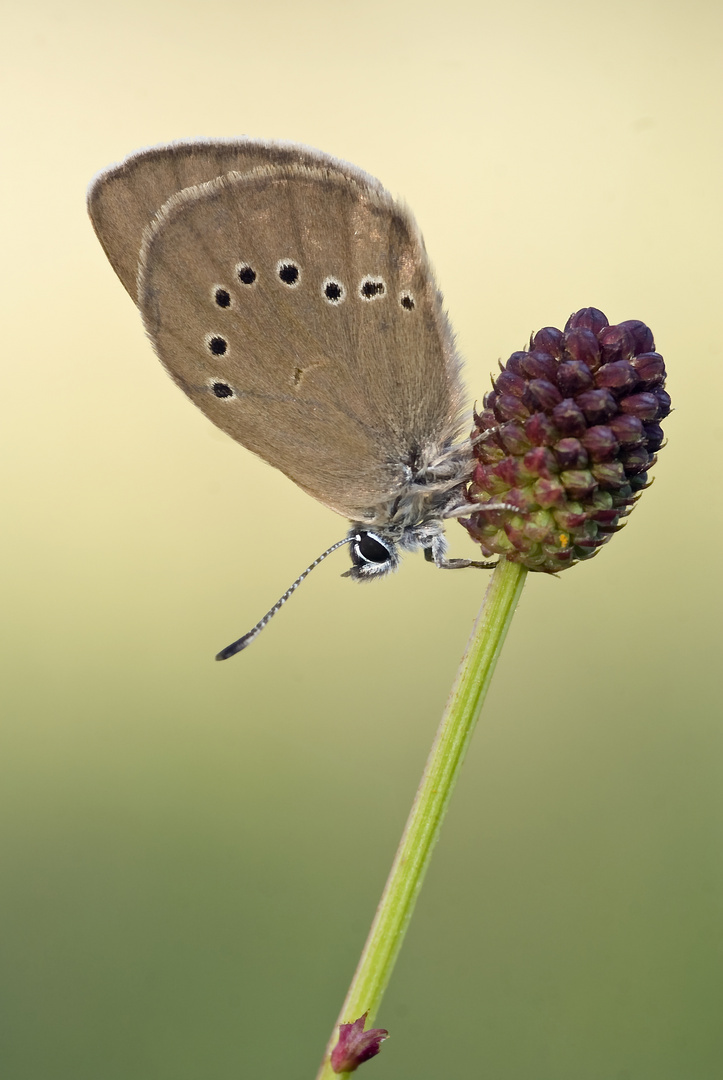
(291, 298)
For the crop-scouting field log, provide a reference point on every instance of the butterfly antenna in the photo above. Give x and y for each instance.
(242, 642)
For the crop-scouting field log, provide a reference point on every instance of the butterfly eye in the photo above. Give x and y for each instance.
(222, 297)
(407, 301)
(333, 291)
(246, 274)
(288, 272)
(372, 287)
(221, 389)
(370, 555)
(370, 549)
(217, 345)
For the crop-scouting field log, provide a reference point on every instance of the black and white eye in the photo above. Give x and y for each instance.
(333, 291)
(407, 301)
(221, 389)
(368, 551)
(288, 272)
(221, 296)
(245, 273)
(217, 345)
(372, 287)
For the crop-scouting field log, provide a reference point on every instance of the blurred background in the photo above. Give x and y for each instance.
(193, 851)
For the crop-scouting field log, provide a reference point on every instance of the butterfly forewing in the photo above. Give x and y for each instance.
(124, 198)
(296, 308)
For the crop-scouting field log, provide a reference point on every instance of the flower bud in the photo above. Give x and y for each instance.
(355, 1045)
(590, 318)
(548, 340)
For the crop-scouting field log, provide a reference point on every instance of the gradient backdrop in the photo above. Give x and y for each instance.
(193, 851)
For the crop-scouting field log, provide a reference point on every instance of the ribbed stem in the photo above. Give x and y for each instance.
(430, 804)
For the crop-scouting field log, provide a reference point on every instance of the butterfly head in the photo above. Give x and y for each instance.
(377, 552)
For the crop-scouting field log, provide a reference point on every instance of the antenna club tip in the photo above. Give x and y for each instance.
(231, 650)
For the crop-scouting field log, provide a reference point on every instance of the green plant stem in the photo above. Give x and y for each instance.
(430, 803)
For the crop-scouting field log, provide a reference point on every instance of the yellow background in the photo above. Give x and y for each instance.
(193, 851)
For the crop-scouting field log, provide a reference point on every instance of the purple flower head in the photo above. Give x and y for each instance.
(566, 436)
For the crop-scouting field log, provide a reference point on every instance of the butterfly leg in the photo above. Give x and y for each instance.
(436, 554)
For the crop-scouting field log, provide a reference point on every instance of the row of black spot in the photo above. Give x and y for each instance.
(332, 289)
(289, 273)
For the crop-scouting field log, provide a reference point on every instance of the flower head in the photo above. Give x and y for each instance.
(566, 436)
(355, 1045)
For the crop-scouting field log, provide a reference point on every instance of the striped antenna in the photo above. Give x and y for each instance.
(246, 640)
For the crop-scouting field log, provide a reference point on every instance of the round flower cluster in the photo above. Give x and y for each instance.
(566, 437)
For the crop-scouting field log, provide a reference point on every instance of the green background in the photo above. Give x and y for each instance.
(192, 851)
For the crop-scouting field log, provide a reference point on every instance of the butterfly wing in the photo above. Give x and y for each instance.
(295, 305)
(124, 198)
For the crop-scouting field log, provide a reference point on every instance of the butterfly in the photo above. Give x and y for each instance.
(291, 298)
